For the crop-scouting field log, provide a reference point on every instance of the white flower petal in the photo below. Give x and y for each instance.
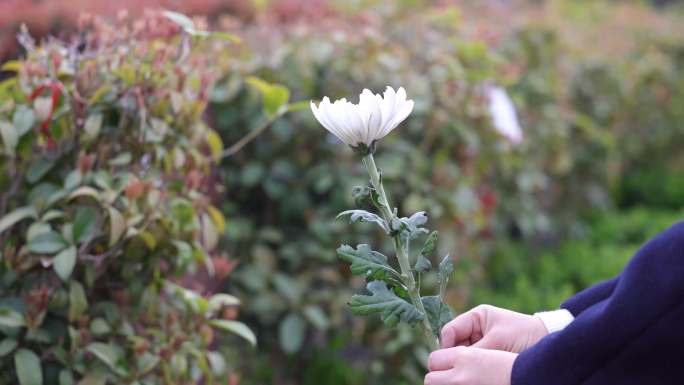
(367, 99)
(406, 109)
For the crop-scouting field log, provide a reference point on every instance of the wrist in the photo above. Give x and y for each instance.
(556, 320)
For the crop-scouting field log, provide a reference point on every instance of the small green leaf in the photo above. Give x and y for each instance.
(365, 194)
(317, 317)
(423, 264)
(85, 224)
(292, 107)
(117, 225)
(105, 352)
(65, 377)
(38, 169)
(235, 327)
(10, 137)
(29, 370)
(287, 287)
(446, 268)
(23, 119)
(85, 191)
(11, 318)
(364, 216)
(225, 36)
(384, 301)
(77, 300)
(47, 243)
(209, 233)
(217, 301)
(52, 214)
(12, 65)
(366, 262)
(291, 332)
(217, 363)
(122, 159)
(64, 263)
(99, 326)
(180, 19)
(147, 362)
(412, 224)
(437, 313)
(274, 95)
(7, 345)
(399, 288)
(215, 144)
(17, 215)
(92, 125)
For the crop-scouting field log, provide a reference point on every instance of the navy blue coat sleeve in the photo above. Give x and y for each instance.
(591, 296)
(633, 336)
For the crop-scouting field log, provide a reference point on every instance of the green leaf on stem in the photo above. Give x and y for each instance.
(366, 262)
(437, 313)
(47, 243)
(11, 318)
(235, 327)
(274, 95)
(105, 352)
(365, 194)
(399, 288)
(364, 216)
(446, 268)
(38, 169)
(17, 215)
(64, 263)
(384, 301)
(29, 370)
(291, 332)
(78, 301)
(423, 264)
(85, 224)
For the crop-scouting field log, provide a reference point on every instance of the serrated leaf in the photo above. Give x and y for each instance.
(365, 194)
(47, 243)
(423, 265)
(235, 327)
(412, 224)
(446, 268)
(399, 288)
(17, 215)
(64, 263)
(291, 332)
(363, 216)
(438, 313)
(364, 261)
(117, 226)
(384, 301)
(27, 365)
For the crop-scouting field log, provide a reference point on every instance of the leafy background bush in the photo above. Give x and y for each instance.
(598, 93)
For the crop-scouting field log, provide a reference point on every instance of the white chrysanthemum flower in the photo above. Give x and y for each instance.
(362, 125)
(504, 116)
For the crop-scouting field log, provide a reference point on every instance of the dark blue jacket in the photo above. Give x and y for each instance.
(628, 330)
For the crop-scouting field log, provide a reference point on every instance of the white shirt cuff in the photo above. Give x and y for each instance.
(555, 320)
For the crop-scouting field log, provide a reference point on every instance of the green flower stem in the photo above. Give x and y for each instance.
(402, 254)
